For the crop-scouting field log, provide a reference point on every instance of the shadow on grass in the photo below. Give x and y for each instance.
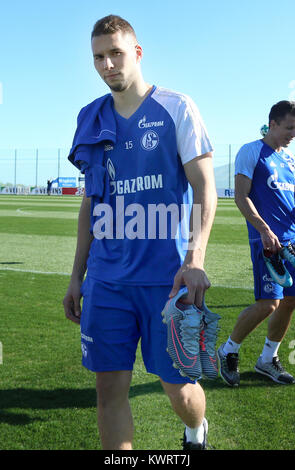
(258, 380)
(248, 379)
(16, 419)
(20, 399)
(11, 262)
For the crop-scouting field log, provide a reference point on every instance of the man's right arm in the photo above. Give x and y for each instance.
(72, 298)
(242, 189)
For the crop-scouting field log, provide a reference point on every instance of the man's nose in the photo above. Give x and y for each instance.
(107, 63)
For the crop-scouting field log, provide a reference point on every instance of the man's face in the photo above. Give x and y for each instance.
(116, 59)
(284, 131)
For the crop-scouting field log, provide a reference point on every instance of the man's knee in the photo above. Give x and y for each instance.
(112, 387)
(183, 394)
(266, 307)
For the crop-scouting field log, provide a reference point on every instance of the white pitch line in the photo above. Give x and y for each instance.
(34, 271)
(68, 274)
(22, 212)
(233, 287)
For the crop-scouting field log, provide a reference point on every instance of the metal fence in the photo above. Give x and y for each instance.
(33, 167)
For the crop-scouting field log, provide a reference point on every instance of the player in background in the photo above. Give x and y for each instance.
(264, 193)
(49, 186)
(156, 151)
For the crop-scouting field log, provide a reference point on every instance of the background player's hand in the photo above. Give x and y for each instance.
(270, 241)
(196, 282)
(71, 302)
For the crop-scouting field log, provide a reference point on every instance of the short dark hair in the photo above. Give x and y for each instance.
(280, 110)
(111, 24)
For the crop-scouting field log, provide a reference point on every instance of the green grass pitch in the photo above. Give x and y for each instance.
(48, 400)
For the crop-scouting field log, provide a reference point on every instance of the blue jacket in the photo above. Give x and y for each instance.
(96, 126)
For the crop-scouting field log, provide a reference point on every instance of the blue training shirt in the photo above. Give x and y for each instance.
(141, 226)
(272, 190)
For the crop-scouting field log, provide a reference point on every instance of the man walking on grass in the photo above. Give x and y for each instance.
(264, 193)
(140, 147)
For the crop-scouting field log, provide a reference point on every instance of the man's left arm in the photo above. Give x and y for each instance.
(200, 175)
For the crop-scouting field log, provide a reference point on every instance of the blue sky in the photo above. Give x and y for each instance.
(234, 58)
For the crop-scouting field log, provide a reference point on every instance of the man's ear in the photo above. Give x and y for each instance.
(272, 124)
(139, 51)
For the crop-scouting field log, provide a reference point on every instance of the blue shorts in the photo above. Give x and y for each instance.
(114, 318)
(264, 286)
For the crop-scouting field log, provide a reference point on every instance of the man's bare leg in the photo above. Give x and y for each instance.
(188, 401)
(251, 317)
(280, 319)
(115, 423)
